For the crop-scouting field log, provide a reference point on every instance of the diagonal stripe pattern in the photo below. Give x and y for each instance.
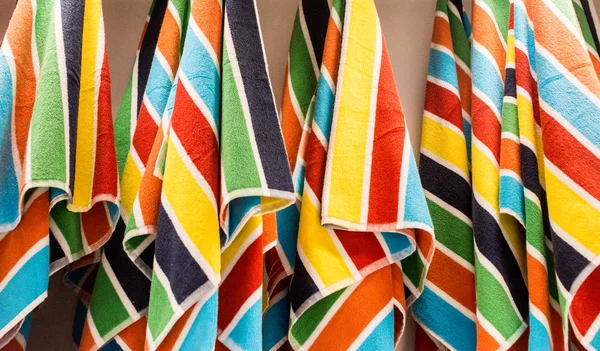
(448, 301)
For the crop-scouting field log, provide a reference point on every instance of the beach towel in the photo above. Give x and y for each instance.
(56, 147)
(570, 115)
(304, 61)
(448, 301)
(349, 250)
(502, 300)
(590, 28)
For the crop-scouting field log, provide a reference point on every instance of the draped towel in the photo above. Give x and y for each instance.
(570, 113)
(57, 149)
(218, 156)
(448, 301)
(362, 207)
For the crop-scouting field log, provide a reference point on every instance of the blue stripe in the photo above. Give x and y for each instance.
(538, 335)
(512, 196)
(29, 283)
(238, 208)
(200, 337)
(247, 333)
(415, 206)
(276, 323)
(200, 69)
(158, 87)
(9, 186)
(444, 320)
(324, 107)
(569, 101)
(398, 243)
(596, 341)
(287, 231)
(486, 79)
(443, 67)
(382, 337)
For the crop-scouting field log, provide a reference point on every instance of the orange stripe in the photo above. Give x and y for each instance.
(205, 15)
(87, 340)
(510, 155)
(441, 35)
(96, 225)
(290, 125)
(369, 298)
(453, 284)
(486, 35)
(331, 56)
(538, 285)
(464, 87)
(134, 335)
(169, 41)
(485, 341)
(175, 333)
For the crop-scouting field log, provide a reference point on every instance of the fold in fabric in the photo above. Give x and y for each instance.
(570, 121)
(448, 301)
(345, 264)
(56, 149)
(217, 155)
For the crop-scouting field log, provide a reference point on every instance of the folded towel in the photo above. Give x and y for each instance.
(122, 286)
(57, 134)
(570, 113)
(347, 289)
(448, 301)
(502, 303)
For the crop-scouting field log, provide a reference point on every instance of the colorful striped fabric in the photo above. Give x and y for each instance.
(448, 301)
(19, 341)
(590, 28)
(345, 264)
(502, 298)
(56, 134)
(122, 286)
(569, 93)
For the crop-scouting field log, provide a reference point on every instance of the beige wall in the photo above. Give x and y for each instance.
(406, 24)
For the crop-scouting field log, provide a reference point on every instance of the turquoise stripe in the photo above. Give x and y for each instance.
(444, 320)
(398, 243)
(276, 323)
(29, 283)
(538, 335)
(577, 109)
(415, 206)
(596, 341)
(524, 33)
(382, 337)
(512, 196)
(9, 185)
(288, 220)
(199, 337)
(158, 87)
(324, 107)
(246, 333)
(486, 79)
(238, 209)
(443, 67)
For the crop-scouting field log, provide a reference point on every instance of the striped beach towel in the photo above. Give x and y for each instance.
(502, 298)
(122, 286)
(350, 242)
(448, 301)
(569, 93)
(56, 149)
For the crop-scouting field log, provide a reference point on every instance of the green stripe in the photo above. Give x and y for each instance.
(452, 232)
(414, 269)
(69, 225)
(500, 11)
(123, 127)
(309, 320)
(510, 119)
(237, 156)
(585, 26)
(302, 72)
(160, 311)
(494, 304)
(106, 307)
(460, 41)
(566, 8)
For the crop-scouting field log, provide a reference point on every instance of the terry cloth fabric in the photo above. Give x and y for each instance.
(219, 154)
(590, 28)
(569, 93)
(19, 341)
(521, 193)
(343, 269)
(448, 301)
(56, 148)
(502, 300)
(313, 20)
(121, 289)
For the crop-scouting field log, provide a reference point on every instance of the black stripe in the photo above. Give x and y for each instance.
(445, 184)
(568, 262)
(510, 82)
(459, 5)
(248, 50)
(316, 15)
(531, 181)
(56, 252)
(148, 47)
(180, 268)
(491, 243)
(588, 15)
(72, 25)
(302, 287)
(135, 284)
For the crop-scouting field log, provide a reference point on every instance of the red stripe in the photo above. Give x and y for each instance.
(585, 307)
(145, 131)
(486, 126)
(363, 248)
(444, 104)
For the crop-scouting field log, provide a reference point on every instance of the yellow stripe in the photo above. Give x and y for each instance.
(319, 248)
(229, 254)
(486, 178)
(445, 143)
(132, 178)
(350, 139)
(86, 121)
(573, 214)
(194, 210)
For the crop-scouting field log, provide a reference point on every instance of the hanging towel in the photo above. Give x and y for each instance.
(121, 289)
(343, 269)
(521, 193)
(590, 28)
(570, 113)
(57, 147)
(502, 303)
(300, 84)
(448, 301)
